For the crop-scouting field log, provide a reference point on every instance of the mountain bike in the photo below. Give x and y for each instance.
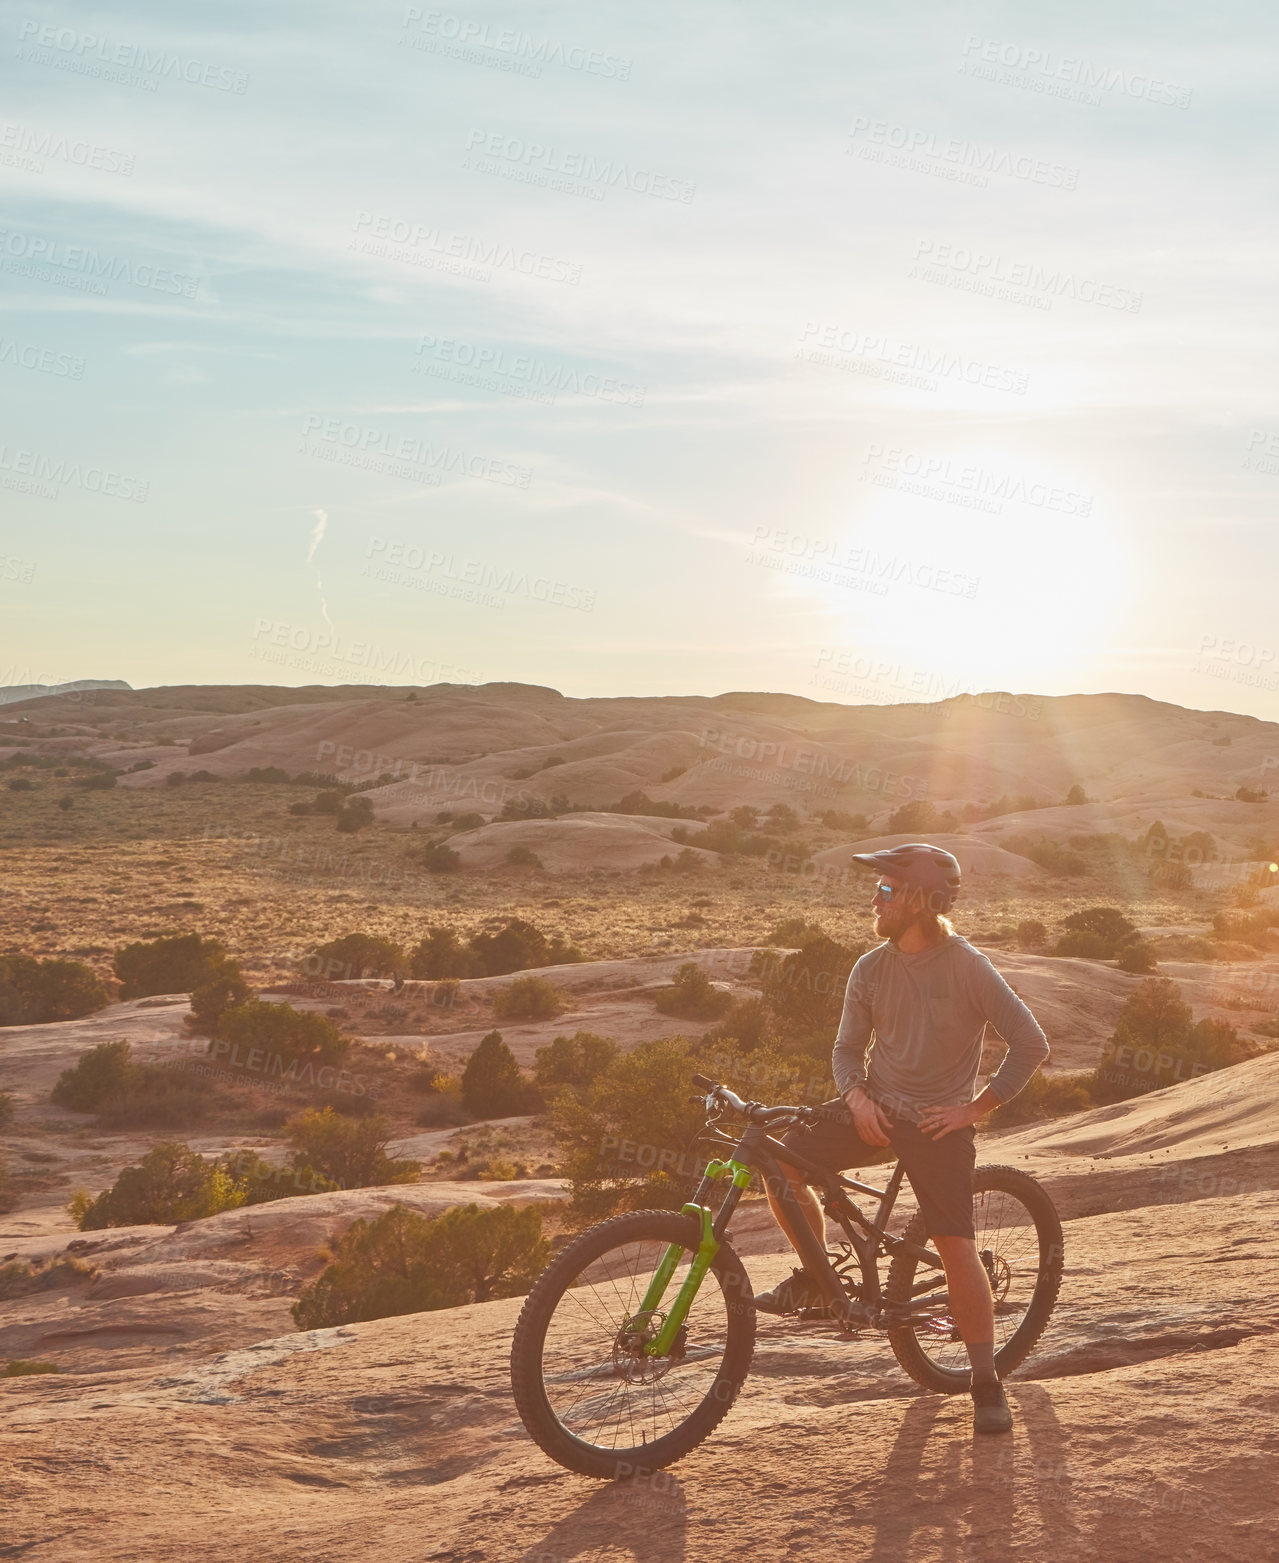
(634, 1342)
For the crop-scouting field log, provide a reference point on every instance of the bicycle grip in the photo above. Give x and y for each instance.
(703, 1083)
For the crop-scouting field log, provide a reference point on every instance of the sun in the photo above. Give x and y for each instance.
(977, 561)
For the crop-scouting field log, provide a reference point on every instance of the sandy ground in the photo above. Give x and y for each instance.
(1147, 1420)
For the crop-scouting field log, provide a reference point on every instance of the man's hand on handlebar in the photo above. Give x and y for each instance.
(869, 1118)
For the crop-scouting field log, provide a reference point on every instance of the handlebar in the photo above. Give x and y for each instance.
(755, 1111)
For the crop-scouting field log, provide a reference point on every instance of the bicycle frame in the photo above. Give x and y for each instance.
(755, 1151)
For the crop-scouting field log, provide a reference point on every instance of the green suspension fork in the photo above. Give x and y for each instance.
(707, 1248)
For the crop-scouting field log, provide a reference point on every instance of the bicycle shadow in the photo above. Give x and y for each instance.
(960, 1492)
(646, 1514)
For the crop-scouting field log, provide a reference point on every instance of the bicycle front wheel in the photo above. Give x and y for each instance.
(1019, 1242)
(586, 1390)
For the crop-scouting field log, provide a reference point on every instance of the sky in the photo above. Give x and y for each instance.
(642, 350)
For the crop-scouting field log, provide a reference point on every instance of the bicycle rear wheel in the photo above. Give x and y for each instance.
(1020, 1242)
(586, 1391)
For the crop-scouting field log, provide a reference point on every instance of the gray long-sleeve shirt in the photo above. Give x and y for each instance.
(923, 1017)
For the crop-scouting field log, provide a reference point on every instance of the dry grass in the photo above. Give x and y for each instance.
(228, 859)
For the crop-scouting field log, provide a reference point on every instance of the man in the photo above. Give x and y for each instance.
(920, 1002)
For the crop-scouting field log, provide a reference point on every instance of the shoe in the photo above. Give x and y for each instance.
(797, 1291)
(991, 1413)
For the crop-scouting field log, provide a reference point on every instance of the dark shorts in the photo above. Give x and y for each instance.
(940, 1171)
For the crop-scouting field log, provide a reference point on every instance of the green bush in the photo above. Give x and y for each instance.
(492, 1086)
(571, 1063)
(1157, 1042)
(441, 953)
(18, 1368)
(95, 1075)
(748, 1023)
(35, 992)
(1031, 932)
(211, 1000)
(515, 946)
(693, 996)
(914, 818)
(1044, 1096)
(1096, 933)
(793, 932)
(631, 1138)
(1136, 956)
(173, 963)
(355, 955)
(404, 1263)
(438, 858)
(355, 814)
(529, 998)
(292, 1035)
(171, 1183)
(351, 1151)
(805, 990)
(523, 857)
(1049, 855)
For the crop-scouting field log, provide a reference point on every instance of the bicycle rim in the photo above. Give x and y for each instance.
(601, 1387)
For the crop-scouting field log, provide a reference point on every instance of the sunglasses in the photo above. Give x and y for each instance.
(884, 892)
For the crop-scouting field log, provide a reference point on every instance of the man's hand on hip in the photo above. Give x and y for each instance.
(938, 1122)
(869, 1118)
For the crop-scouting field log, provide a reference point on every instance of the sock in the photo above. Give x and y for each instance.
(981, 1353)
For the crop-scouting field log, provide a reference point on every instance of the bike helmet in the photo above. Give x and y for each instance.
(931, 871)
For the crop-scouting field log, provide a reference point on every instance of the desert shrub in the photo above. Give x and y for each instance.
(21, 1277)
(1095, 933)
(171, 1183)
(916, 816)
(1076, 795)
(292, 1035)
(571, 1063)
(96, 781)
(1084, 946)
(630, 1139)
(441, 859)
(693, 996)
(126, 1095)
(641, 803)
(1157, 1042)
(529, 998)
(523, 857)
(782, 818)
(747, 1023)
(792, 932)
(805, 990)
(1043, 1096)
(21, 784)
(1030, 932)
(401, 1262)
(492, 1086)
(263, 1181)
(173, 963)
(95, 1075)
(442, 953)
(175, 778)
(1136, 956)
(34, 992)
(211, 1000)
(351, 1151)
(354, 814)
(20, 1368)
(834, 819)
(355, 955)
(1245, 927)
(517, 945)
